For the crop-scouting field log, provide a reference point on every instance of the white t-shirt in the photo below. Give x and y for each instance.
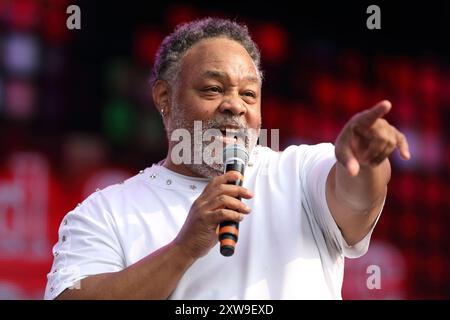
(289, 246)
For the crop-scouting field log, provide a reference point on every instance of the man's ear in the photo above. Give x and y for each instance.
(161, 97)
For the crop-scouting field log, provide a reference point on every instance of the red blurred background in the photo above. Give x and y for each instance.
(76, 114)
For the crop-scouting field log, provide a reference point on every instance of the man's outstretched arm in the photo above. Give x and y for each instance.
(357, 183)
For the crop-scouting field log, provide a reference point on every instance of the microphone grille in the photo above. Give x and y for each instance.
(235, 151)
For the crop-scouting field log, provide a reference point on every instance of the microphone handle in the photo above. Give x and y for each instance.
(229, 230)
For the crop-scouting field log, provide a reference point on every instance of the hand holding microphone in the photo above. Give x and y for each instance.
(219, 202)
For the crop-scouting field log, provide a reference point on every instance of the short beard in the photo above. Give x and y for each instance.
(209, 168)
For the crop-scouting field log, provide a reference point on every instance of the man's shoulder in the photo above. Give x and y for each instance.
(119, 193)
(301, 150)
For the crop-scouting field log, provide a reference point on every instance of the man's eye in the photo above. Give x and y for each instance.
(250, 94)
(213, 89)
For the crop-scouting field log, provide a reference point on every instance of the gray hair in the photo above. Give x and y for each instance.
(175, 45)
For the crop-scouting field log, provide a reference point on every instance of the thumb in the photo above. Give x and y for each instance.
(352, 167)
(348, 160)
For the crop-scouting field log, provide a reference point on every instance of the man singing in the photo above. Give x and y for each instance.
(302, 211)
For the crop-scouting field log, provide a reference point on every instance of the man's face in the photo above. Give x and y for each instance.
(218, 84)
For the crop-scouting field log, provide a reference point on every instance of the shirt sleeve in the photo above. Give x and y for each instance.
(87, 245)
(318, 161)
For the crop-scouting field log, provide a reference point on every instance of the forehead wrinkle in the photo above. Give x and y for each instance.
(220, 75)
(208, 55)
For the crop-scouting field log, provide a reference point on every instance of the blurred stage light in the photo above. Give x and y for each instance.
(394, 272)
(2, 96)
(118, 121)
(21, 54)
(20, 99)
(2, 10)
(146, 43)
(82, 153)
(23, 14)
(351, 96)
(24, 197)
(273, 42)
(54, 22)
(9, 290)
(431, 150)
(180, 13)
(324, 91)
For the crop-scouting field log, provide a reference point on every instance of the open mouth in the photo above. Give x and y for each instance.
(228, 139)
(230, 135)
(232, 132)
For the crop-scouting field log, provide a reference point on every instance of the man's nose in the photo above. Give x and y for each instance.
(233, 105)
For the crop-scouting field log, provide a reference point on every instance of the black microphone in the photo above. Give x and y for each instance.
(235, 158)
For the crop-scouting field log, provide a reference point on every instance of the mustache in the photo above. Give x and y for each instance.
(232, 121)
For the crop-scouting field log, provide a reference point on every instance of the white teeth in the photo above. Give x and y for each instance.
(231, 130)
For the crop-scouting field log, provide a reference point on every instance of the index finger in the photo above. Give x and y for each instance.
(232, 191)
(368, 117)
(220, 185)
(229, 176)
